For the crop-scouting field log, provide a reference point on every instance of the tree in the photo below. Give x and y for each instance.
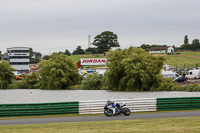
(185, 47)
(45, 57)
(1, 55)
(31, 80)
(155, 45)
(174, 48)
(59, 72)
(145, 47)
(92, 50)
(195, 44)
(105, 41)
(67, 52)
(93, 81)
(6, 74)
(185, 39)
(34, 57)
(78, 50)
(31, 53)
(195, 41)
(133, 69)
(38, 55)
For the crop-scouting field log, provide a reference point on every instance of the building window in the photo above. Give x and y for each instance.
(18, 51)
(19, 63)
(19, 57)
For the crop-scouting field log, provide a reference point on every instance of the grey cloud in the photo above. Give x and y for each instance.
(65, 21)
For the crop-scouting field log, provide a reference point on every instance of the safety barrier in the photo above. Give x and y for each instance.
(33, 109)
(135, 105)
(179, 103)
(97, 106)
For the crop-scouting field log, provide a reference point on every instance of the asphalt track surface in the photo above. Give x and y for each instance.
(99, 118)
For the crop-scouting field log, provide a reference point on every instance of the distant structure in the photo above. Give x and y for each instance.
(19, 58)
(89, 41)
(6, 57)
(165, 49)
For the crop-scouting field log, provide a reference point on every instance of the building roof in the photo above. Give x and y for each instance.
(18, 48)
(158, 48)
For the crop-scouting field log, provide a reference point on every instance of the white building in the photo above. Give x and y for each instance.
(167, 49)
(19, 58)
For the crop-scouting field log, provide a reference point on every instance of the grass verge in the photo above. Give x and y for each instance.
(166, 125)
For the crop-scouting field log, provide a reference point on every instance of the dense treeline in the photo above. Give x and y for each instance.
(131, 69)
(59, 72)
(194, 46)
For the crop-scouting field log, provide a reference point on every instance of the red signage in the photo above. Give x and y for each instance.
(93, 61)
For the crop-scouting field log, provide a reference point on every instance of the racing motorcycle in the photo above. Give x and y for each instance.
(111, 109)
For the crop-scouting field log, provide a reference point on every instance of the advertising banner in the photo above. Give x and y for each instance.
(93, 61)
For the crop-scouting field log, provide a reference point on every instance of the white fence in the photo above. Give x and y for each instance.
(135, 105)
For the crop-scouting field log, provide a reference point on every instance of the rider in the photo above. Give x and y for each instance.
(113, 105)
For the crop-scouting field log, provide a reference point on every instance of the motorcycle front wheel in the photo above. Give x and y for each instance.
(126, 111)
(108, 112)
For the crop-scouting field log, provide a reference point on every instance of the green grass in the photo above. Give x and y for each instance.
(191, 53)
(166, 125)
(179, 60)
(190, 59)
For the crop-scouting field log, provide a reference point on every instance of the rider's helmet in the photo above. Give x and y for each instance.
(110, 102)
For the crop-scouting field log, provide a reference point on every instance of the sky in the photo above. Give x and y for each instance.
(50, 26)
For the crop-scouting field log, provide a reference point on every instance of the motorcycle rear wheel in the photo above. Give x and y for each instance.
(108, 112)
(126, 111)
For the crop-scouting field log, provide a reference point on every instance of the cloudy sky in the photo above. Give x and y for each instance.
(55, 25)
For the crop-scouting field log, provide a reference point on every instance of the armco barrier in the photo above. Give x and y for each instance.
(179, 103)
(96, 106)
(33, 109)
(135, 105)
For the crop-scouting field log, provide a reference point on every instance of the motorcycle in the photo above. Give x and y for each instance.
(110, 109)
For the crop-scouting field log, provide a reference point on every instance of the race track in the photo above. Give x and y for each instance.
(99, 118)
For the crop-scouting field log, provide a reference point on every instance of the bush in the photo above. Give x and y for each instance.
(194, 87)
(93, 81)
(17, 85)
(29, 82)
(168, 85)
(32, 81)
(88, 53)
